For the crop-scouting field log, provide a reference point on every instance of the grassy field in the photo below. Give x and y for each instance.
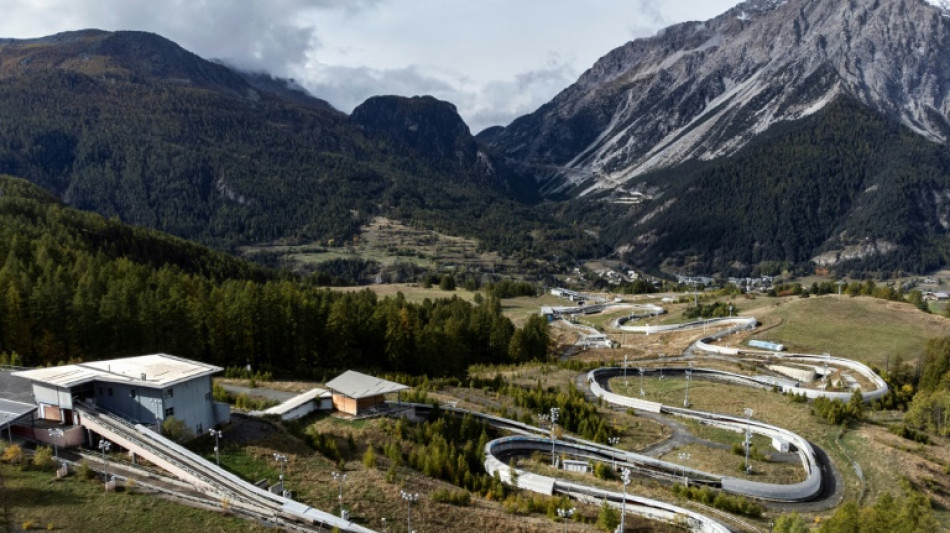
(387, 242)
(864, 329)
(74, 505)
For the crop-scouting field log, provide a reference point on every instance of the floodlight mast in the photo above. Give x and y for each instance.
(340, 478)
(748, 438)
(640, 369)
(689, 375)
(565, 514)
(104, 447)
(684, 456)
(555, 411)
(217, 450)
(613, 442)
(56, 434)
(282, 459)
(410, 498)
(625, 477)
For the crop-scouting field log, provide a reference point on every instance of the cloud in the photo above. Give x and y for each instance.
(274, 36)
(480, 104)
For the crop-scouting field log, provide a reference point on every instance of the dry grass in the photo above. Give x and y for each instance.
(865, 329)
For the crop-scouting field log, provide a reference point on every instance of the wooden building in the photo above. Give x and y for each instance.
(355, 393)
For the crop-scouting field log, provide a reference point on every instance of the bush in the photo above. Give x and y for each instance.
(608, 518)
(460, 498)
(369, 458)
(13, 455)
(175, 429)
(85, 471)
(43, 459)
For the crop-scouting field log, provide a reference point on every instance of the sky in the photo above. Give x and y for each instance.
(494, 59)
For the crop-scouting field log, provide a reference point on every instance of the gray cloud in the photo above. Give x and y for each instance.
(269, 36)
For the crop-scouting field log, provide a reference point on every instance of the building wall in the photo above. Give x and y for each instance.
(133, 401)
(344, 404)
(52, 395)
(192, 403)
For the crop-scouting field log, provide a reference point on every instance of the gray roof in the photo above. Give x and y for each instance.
(356, 385)
(156, 370)
(11, 411)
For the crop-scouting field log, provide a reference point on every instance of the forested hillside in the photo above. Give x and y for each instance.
(129, 124)
(74, 286)
(847, 182)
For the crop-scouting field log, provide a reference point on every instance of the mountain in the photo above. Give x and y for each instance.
(670, 141)
(702, 90)
(129, 124)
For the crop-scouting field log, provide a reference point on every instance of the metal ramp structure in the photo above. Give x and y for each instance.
(206, 477)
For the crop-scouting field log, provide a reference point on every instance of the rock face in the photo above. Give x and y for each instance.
(703, 90)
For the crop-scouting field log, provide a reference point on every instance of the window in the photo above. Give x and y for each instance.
(132, 393)
(169, 412)
(171, 393)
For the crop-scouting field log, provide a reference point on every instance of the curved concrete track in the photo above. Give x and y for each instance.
(529, 439)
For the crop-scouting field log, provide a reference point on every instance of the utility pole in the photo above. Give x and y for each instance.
(640, 368)
(625, 370)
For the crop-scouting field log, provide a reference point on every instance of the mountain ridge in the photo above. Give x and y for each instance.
(701, 90)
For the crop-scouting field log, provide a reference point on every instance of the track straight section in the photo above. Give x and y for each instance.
(207, 477)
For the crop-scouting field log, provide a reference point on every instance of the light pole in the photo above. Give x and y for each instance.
(640, 368)
(748, 438)
(625, 370)
(282, 459)
(340, 478)
(565, 515)
(555, 411)
(217, 451)
(689, 375)
(56, 434)
(410, 498)
(383, 520)
(613, 442)
(625, 477)
(685, 458)
(104, 447)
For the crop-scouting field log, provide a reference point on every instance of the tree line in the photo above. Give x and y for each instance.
(65, 296)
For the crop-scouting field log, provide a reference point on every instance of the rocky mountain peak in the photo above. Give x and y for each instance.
(703, 90)
(424, 123)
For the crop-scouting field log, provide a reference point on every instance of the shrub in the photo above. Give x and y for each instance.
(369, 458)
(43, 458)
(460, 498)
(13, 455)
(175, 429)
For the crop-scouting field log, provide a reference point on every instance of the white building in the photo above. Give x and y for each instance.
(144, 390)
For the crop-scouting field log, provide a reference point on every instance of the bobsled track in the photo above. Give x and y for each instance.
(818, 471)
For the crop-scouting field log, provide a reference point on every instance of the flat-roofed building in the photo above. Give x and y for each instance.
(144, 390)
(355, 393)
